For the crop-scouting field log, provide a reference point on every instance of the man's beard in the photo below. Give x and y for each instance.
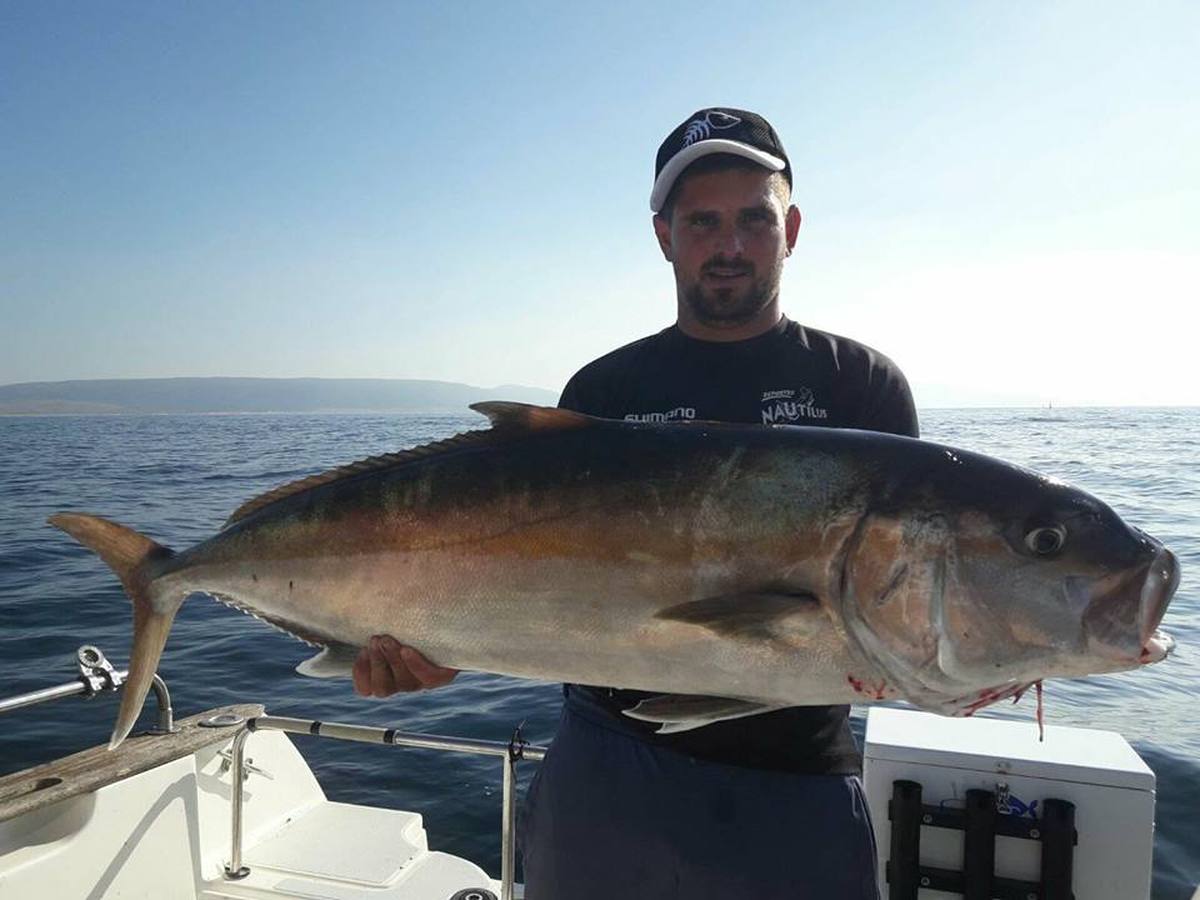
(728, 307)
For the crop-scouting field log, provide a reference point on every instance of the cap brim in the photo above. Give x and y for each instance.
(688, 155)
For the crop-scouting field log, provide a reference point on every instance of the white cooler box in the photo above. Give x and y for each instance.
(1111, 788)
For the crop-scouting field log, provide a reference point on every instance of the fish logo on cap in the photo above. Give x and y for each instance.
(702, 129)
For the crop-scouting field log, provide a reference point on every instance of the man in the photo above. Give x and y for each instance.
(768, 806)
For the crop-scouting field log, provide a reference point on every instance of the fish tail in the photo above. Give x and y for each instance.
(136, 560)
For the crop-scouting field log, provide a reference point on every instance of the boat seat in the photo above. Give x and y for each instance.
(344, 843)
(341, 851)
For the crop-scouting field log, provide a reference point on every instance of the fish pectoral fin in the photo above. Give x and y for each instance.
(683, 712)
(334, 661)
(754, 615)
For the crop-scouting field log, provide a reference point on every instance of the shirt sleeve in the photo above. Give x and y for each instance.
(591, 390)
(888, 405)
(570, 398)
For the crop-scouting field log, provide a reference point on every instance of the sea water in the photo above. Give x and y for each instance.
(177, 478)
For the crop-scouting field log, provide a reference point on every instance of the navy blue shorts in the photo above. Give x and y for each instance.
(608, 815)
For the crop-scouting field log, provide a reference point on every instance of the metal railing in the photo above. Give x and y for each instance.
(96, 676)
(512, 752)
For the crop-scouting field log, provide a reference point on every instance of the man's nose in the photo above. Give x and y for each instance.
(730, 241)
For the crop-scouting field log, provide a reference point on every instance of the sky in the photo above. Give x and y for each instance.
(1003, 198)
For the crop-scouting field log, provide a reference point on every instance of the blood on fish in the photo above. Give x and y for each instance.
(874, 691)
(988, 696)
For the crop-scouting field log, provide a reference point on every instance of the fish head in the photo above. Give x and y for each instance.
(971, 580)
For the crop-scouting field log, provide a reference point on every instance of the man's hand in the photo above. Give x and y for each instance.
(385, 667)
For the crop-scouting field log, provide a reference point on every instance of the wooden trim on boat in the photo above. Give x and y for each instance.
(88, 770)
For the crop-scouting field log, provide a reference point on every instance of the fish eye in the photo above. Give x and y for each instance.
(1047, 540)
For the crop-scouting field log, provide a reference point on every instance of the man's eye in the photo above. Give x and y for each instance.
(703, 221)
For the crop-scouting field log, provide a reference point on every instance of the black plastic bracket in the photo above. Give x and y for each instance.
(980, 822)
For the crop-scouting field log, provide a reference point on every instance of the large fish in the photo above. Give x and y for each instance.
(729, 569)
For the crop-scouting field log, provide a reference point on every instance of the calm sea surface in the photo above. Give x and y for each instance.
(178, 477)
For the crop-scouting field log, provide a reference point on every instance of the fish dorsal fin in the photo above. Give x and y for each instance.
(505, 417)
(507, 414)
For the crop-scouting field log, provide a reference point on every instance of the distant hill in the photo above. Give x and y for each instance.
(249, 395)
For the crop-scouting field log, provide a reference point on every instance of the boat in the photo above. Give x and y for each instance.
(220, 805)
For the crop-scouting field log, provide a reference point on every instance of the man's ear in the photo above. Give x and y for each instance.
(791, 227)
(662, 231)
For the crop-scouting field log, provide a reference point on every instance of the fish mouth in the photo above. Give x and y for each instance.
(1158, 647)
(1122, 619)
(1162, 578)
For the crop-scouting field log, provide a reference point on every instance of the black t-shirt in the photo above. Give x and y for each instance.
(790, 375)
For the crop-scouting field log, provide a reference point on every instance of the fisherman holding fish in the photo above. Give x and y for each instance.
(714, 594)
(766, 806)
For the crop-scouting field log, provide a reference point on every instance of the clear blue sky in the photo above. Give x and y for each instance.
(1005, 198)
